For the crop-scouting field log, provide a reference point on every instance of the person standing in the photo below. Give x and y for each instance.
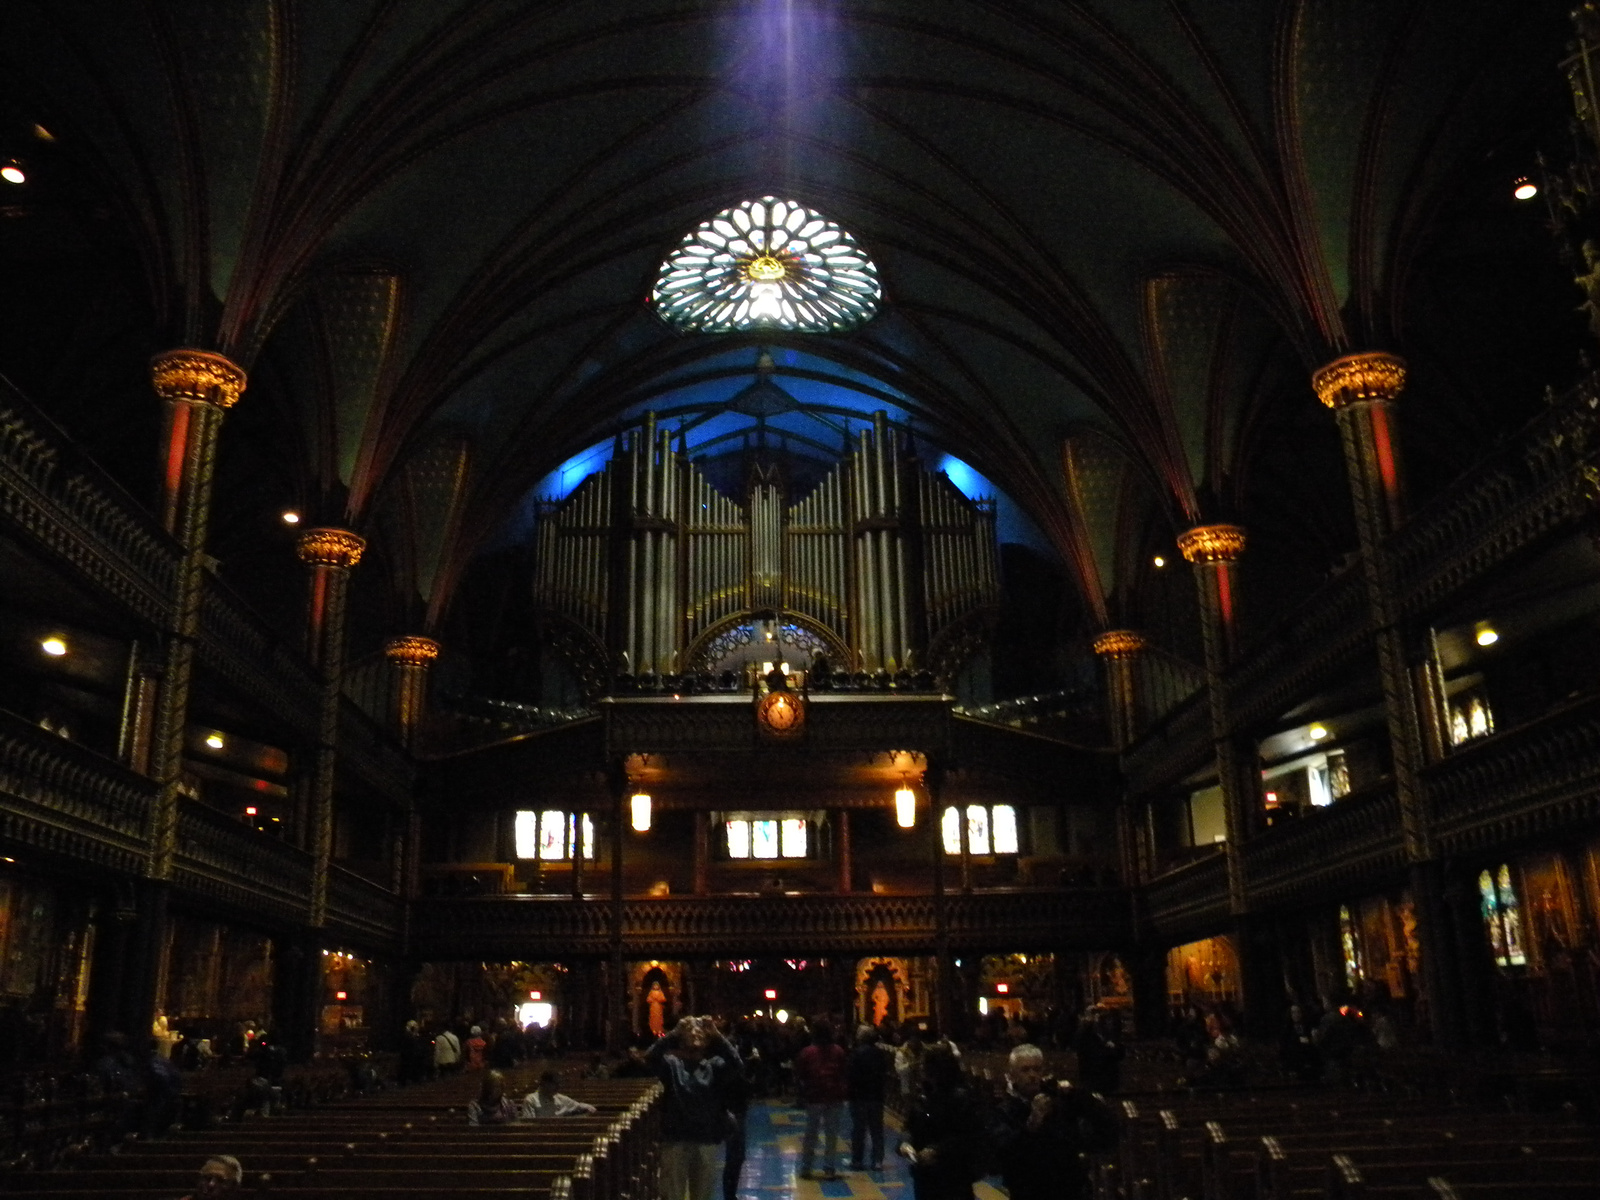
(694, 1063)
(866, 1072)
(819, 1073)
(1042, 1131)
(944, 1135)
(1100, 1051)
(447, 1052)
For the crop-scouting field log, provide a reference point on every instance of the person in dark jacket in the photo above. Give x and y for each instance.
(867, 1071)
(944, 1133)
(1042, 1130)
(694, 1063)
(1100, 1052)
(1297, 1046)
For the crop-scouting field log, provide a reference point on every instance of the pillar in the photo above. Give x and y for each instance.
(934, 780)
(702, 853)
(616, 1020)
(409, 660)
(1362, 389)
(1119, 650)
(330, 553)
(842, 847)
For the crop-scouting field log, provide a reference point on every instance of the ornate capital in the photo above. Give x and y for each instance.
(330, 548)
(1119, 643)
(1212, 543)
(1355, 377)
(411, 651)
(197, 377)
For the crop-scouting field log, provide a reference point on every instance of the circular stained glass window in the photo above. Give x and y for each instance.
(768, 264)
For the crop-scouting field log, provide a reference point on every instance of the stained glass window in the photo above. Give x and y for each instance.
(768, 264)
(738, 839)
(764, 839)
(1005, 829)
(588, 836)
(527, 834)
(977, 829)
(783, 837)
(951, 828)
(794, 838)
(990, 829)
(1350, 940)
(1502, 917)
(550, 835)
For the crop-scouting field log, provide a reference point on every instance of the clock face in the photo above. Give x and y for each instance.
(781, 713)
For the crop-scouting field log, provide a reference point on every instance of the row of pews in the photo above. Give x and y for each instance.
(413, 1144)
(1293, 1144)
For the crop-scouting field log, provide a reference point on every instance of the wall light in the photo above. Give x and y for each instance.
(53, 646)
(1002, 988)
(641, 812)
(771, 993)
(1317, 732)
(12, 172)
(341, 995)
(1159, 561)
(1484, 634)
(290, 517)
(905, 807)
(1524, 188)
(251, 811)
(214, 740)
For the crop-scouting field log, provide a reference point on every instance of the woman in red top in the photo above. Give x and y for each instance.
(819, 1071)
(476, 1046)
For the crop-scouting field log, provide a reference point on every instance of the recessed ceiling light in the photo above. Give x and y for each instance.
(1525, 189)
(12, 172)
(1159, 561)
(290, 517)
(1317, 732)
(53, 646)
(215, 741)
(1485, 634)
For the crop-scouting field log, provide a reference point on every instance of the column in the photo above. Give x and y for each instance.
(617, 1030)
(409, 659)
(702, 853)
(934, 780)
(330, 553)
(1119, 650)
(1362, 389)
(841, 822)
(197, 388)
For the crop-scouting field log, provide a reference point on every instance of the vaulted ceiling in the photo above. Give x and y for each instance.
(1114, 237)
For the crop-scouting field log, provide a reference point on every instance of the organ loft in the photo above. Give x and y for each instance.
(565, 517)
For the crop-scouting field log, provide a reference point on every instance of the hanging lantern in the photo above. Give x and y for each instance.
(905, 807)
(641, 812)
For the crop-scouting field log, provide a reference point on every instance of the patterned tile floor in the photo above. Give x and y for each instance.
(772, 1163)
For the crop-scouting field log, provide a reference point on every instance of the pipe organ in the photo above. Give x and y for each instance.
(883, 565)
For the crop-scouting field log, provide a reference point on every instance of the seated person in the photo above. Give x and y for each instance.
(493, 1106)
(220, 1176)
(546, 1101)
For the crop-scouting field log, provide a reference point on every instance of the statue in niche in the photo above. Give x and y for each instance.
(880, 1003)
(656, 1000)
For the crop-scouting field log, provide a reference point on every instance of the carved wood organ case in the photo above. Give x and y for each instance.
(650, 570)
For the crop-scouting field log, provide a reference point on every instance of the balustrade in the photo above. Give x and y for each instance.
(1320, 854)
(361, 909)
(1191, 899)
(240, 867)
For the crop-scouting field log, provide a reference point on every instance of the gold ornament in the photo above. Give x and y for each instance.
(766, 268)
(411, 651)
(197, 377)
(1356, 377)
(1212, 543)
(330, 548)
(1119, 643)
(781, 714)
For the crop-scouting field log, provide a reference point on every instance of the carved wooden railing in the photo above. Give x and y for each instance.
(1539, 777)
(1193, 898)
(64, 798)
(61, 501)
(527, 926)
(1356, 839)
(248, 653)
(368, 752)
(1167, 751)
(241, 868)
(362, 910)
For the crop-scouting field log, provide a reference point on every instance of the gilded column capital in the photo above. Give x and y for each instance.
(1373, 375)
(330, 547)
(1212, 543)
(197, 377)
(1119, 643)
(411, 651)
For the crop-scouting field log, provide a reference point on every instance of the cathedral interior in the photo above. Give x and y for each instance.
(609, 511)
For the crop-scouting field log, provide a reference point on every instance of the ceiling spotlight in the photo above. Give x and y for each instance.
(53, 646)
(1159, 561)
(290, 517)
(1317, 732)
(1524, 188)
(12, 172)
(214, 740)
(1484, 634)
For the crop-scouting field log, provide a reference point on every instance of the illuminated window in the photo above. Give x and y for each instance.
(1350, 941)
(776, 837)
(551, 835)
(1470, 717)
(768, 264)
(1502, 917)
(990, 829)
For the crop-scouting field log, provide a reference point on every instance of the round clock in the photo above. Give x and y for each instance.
(781, 714)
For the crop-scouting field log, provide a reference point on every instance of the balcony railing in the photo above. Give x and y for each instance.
(1326, 851)
(1190, 900)
(363, 910)
(64, 798)
(61, 501)
(528, 926)
(236, 866)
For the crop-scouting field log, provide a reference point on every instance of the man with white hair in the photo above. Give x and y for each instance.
(1043, 1130)
(220, 1176)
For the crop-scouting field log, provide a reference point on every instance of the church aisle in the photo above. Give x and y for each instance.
(772, 1163)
